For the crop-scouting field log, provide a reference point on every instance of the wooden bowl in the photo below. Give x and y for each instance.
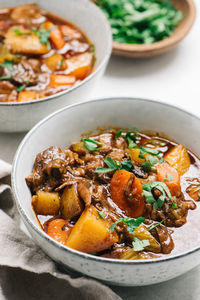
(188, 9)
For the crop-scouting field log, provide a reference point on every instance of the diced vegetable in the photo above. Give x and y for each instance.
(142, 233)
(58, 229)
(46, 203)
(91, 233)
(179, 159)
(26, 43)
(55, 62)
(70, 32)
(79, 148)
(169, 175)
(61, 80)
(71, 205)
(26, 96)
(134, 154)
(55, 35)
(80, 65)
(118, 184)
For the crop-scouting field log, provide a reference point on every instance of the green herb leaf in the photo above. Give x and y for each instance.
(157, 224)
(92, 49)
(19, 32)
(149, 197)
(101, 214)
(7, 64)
(129, 222)
(126, 165)
(197, 189)
(139, 245)
(22, 87)
(118, 134)
(91, 145)
(146, 166)
(150, 151)
(169, 177)
(112, 166)
(43, 34)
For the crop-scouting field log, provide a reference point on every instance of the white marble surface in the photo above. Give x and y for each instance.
(174, 78)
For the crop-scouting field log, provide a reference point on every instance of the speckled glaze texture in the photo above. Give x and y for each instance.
(64, 127)
(15, 117)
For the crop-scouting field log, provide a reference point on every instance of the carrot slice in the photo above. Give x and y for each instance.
(55, 35)
(170, 177)
(58, 80)
(117, 188)
(58, 229)
(26, 96)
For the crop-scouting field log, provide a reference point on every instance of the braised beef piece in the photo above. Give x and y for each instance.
(23, 73)
(48, 169)
(175, 217)
(163, 236)
(138, 171)
(7, 92)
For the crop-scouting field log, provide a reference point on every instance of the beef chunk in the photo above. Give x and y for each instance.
(48, 170)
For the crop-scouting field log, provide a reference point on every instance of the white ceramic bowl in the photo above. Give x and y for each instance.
(89, 18)
(64, 127)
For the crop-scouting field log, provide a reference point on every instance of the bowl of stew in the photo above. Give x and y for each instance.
(110, 188)
(50, 56)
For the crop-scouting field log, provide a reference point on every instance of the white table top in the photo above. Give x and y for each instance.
(174, 78)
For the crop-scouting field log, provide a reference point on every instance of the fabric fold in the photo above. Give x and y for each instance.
(24, 264)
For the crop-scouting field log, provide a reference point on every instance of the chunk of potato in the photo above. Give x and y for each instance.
(55, 62)
(179, 159)
(142, 233)
(79, 148)
(80, 65)
(71, 205)
(27, 43)
(91, 234)
(134, 154)
(46, 203)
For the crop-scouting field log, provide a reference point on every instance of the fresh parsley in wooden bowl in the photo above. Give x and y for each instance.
(144, 28)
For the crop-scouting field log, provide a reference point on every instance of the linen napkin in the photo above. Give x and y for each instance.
(26, 272)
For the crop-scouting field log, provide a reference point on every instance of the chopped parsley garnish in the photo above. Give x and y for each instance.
(91, 145)
(9, 65)
(101, 214)
(150, 151)
(149, 197)
(146, 166)
(132, 224)
(157, 224)
(19, 32)
(118, 134)
(139, 245)
(126, 165)
(92, 49)
(43, 34)
(22, 87)
(197, 189)
(61, 62)
(169, 177)
(141, 21)
(114, 165)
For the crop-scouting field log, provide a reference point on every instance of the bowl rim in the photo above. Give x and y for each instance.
(53, 242)
(88, 78)
(163, 44)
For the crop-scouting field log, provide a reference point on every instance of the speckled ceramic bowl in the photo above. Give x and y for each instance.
(90, 19)
(64, 127)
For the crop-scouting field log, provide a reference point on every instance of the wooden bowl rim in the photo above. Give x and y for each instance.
(176, 37)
